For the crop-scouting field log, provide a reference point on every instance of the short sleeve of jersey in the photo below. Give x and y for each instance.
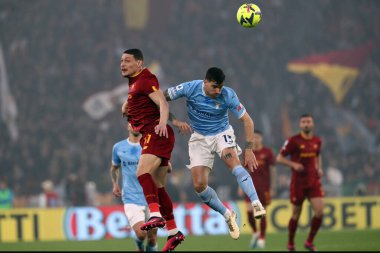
(235, 106)
(115, 158)
(150, 85)
(288, 147)
(181, 90)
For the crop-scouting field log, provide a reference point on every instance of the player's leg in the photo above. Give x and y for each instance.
(151, 244)
(136, 217)
(148, 164)
(265, 198)
(252, 223)
(297, 197)
(209, 197)
(228, 151)
(317, 205)
(166, 208)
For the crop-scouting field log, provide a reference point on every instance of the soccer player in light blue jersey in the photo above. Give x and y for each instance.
(126, 155)
(208, 103)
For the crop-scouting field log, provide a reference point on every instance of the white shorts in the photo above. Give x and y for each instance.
(202, 148)
(136, 213)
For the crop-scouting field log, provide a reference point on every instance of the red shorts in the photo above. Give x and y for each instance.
(298, 193)
(160, 146)
(264, 197)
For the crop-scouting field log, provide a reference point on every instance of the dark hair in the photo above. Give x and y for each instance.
(306, 115)
(137, 53)
(258, 132)
(215, 74)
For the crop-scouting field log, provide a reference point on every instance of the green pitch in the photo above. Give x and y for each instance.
(348, 240)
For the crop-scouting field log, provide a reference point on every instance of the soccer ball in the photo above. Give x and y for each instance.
(248, 15)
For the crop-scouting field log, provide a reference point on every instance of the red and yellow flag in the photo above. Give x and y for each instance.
(337, 69)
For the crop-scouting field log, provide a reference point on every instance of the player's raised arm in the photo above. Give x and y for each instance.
(159, 99)
(249, 157)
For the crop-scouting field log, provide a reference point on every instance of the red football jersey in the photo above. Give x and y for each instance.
(142, 111)
(306, 152)
(261, 176)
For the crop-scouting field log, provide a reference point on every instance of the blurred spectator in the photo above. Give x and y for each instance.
(49, 197)
(6, 195)
(334, 182)
(75, 191)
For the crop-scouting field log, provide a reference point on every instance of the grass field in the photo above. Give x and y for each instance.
(348, 240)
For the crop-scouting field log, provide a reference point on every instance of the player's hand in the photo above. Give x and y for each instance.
(183, 127)
(320, 173)
(250, 160)
(298, 167)
(161, 130)
(116, 191)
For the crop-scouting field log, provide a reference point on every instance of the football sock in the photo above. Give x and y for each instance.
(151, 193)
(152, 248)
(315, 225)
(166, 209)
(252, 221)
(210, 198)
(292, 227)
(139, 244)
(245, 182)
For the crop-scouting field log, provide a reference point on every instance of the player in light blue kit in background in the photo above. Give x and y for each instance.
(126, 155)
(208, 102)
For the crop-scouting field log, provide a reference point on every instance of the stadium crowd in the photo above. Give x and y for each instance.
(57, 54)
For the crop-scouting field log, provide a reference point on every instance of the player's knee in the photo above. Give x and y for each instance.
(199, 186)
(140, 234)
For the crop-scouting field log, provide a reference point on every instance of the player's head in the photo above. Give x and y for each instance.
(214, 82)
(131, 62)
(306, 123)
(132, 132)
(257, 139)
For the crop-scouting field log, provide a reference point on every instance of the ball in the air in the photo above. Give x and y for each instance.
(248, 15)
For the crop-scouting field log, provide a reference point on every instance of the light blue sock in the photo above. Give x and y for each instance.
(245, 182)
(139, 244)
(210, 198)
(152, 248)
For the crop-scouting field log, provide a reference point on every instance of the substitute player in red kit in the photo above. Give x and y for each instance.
(305, 161)
(147, 110)
(263, 179)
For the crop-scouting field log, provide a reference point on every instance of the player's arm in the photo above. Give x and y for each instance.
(273, 180)
(124, 109)
(159, 99)
(283, 160)
(115, 172)
(184, 127)
(249, 157)
(319, 166)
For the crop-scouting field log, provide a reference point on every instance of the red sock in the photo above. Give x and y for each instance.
(166, 208)
(263, 227)
(292, 227)
(150, 191)
(315, 225)
(252, 221)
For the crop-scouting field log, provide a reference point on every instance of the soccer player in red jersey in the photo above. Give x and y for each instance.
(305, 162)
(147, 110)
(263, 178)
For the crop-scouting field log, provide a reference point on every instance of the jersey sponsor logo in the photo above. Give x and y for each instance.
(308, 154)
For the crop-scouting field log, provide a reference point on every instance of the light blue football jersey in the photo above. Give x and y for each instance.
(208, 116)
(127, 154)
